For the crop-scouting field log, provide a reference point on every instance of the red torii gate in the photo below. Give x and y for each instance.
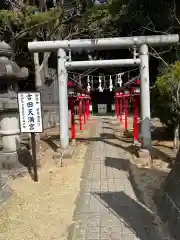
(77, 95)
(130, 89)
(121, 95)
(83, 103)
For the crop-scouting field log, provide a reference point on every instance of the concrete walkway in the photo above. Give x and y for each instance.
(107, 208)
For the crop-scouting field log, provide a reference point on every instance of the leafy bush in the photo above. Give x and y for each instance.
(166, 96)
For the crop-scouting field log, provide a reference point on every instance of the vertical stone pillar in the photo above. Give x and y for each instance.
(63, 100)
(145, 97)
(10, 132)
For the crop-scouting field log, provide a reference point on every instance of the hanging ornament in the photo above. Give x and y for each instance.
(92, 84)
(119, 79)
(79, 79)
(100, 86)
(88, 84)
(110, 84)
(104, 79)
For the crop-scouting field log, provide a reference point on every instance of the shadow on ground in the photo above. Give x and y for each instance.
(118, 202)
(167, 195)
(125, 165)
(20, 166)
(127, 210)
(107, 137)
(26, 160)
(161, 134)
(118, 163)
(50, 141)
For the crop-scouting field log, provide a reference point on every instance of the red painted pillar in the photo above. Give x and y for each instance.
(84, 108)
(73, 128)
(80, 114)
(135, 117)
(120, 110)
(115, 110)
(116, 107)
(126, 112)
(87, 108)
(89, 112)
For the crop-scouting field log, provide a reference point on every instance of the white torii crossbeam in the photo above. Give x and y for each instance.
(139, 42)
(103, 43)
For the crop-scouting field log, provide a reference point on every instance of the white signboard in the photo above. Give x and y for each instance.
(137, 90)
(102, 108)
(90, 107)
(113, 107)
(30, 115)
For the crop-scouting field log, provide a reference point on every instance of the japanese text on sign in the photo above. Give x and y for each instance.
(30, 112)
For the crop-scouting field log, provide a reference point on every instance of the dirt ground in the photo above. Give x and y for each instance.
(43, 210)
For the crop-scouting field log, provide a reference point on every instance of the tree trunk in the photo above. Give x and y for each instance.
(176, 138)
(38, 81)
(37, 71)
(168, 199)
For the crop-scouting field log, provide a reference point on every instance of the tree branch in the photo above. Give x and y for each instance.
(174, 13)
(156, 55)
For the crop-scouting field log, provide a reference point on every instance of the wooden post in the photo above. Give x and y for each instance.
(34, 157)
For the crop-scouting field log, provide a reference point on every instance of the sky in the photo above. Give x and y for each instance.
(98, 2)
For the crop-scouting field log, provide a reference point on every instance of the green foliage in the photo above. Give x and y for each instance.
(20, 26)
(165, 96)
(44, 17)
(15, 22)
(96, 19)
(113, 18)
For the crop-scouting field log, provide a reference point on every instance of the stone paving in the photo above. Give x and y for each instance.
(107, 208)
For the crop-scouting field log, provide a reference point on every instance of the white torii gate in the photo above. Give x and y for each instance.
(64, 63)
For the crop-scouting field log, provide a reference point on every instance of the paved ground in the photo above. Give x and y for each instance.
(107, 208)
